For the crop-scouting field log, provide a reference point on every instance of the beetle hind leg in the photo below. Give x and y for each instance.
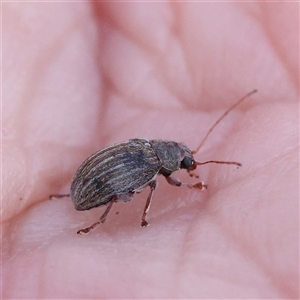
(176, 182)
(58, 196)
(122, 197)
(101, 220)
(152, 185)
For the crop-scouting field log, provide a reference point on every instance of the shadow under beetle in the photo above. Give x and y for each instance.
(117, 172)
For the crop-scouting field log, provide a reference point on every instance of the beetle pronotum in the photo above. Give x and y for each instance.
(117, 172)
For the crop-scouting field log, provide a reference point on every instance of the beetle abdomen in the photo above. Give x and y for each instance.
(119, 169)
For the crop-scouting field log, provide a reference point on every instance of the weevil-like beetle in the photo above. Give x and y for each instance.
(117, 172)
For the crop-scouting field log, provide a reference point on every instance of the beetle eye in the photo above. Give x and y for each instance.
(186, 163)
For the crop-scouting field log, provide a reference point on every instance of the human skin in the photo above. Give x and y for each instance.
(80, 76)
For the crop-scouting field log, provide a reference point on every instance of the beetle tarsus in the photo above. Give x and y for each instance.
(144, 223)
(87, 230)
(200, 185)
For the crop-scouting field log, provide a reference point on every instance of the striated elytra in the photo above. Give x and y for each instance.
(117, 172)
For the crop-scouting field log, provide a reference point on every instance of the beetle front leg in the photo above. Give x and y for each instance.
(153, 185)
(176, 182)
(192, 174)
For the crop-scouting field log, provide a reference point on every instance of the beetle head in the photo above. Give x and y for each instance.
(188, 161)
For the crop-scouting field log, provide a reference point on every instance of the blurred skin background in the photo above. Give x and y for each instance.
(80, 76)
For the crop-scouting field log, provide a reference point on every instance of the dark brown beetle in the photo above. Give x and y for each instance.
(117, 172)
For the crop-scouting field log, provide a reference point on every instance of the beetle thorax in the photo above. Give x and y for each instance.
(171, 155)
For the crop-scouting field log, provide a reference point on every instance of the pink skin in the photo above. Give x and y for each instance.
(80, 76)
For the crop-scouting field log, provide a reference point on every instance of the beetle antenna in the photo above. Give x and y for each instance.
(219, 120)
(218, 162)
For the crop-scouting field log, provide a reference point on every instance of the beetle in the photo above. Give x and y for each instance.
(117, 172)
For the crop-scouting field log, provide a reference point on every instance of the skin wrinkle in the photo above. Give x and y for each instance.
(180, 261)
(183, 250)
(131, 32)
(160, 58)
(280, 50)
(35, 78)
(251, 254)
(125, 34)
(176, 33)
(274, 46)
(156, 61)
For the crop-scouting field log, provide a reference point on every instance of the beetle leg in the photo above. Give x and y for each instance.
(176, 182)
(153, 185)
(192, 174)
(58, 196)
(101, 220)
